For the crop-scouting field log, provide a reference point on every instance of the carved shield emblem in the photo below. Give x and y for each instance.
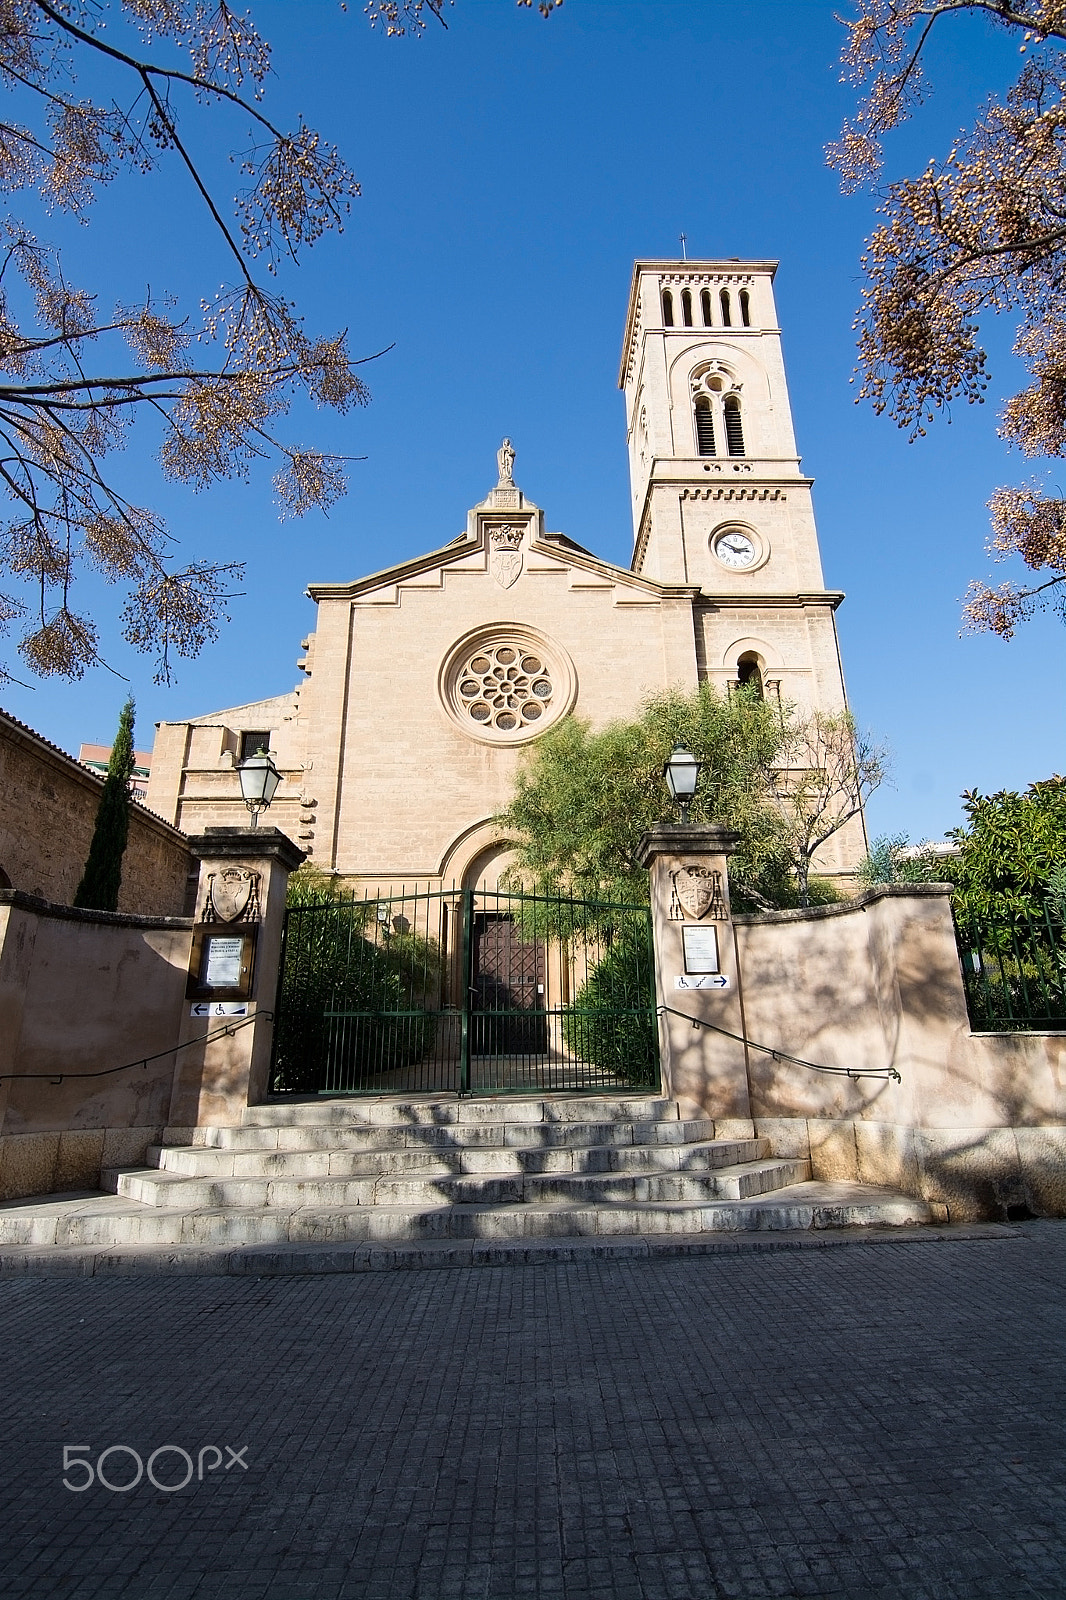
(506, 565)
(233, 893)
(698, 891)
(505, 555)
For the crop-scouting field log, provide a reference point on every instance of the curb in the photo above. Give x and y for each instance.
(306, 1260)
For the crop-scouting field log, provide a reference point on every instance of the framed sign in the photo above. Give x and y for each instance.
(222, 963)
(700, 945)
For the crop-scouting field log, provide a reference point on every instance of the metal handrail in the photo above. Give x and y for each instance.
(105, 1072)
(881, 1074)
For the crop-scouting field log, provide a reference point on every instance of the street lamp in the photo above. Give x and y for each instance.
(259, 782)
(682, 773)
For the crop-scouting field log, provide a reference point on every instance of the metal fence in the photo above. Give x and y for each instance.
(1014, 970)
(464, 991)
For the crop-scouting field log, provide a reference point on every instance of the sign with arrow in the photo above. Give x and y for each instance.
(219, 1008)
(709, 980)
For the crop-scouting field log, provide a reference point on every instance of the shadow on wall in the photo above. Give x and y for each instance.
(80, 993)
(979, 1120)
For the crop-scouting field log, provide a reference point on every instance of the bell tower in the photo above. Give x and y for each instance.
(719, 500)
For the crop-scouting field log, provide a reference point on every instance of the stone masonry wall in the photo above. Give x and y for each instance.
(979, 1120)
(48, 805)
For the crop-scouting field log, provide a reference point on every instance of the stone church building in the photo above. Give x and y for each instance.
(423, 684)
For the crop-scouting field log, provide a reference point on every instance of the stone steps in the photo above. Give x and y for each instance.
(403, 1172)
(203, 1161)
(426, 1136)
(437, 1111)
(737, 1182)
(114, 1222)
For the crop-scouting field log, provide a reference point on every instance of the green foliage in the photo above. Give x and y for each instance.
(102, 878)
(583, 799)
(1012, 847)
(891, 860)
(357, 1000)
(612, 1022)
(311, 886)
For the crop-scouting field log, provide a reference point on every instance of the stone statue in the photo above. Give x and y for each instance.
(505, 462)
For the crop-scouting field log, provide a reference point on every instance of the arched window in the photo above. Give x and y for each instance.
(705, 303)
(727, 321)
(704, 427)
(668, 309)
(734, 428)
(749, 672)
(745, 308)
(686, 308)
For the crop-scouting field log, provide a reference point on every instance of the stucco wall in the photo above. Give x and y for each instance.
(81, 992)
(978, 1121)
(48, 805)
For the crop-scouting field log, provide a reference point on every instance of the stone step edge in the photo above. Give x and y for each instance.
(274, 1113)
(312, 1259)
(772, 1166)
(154, 1151)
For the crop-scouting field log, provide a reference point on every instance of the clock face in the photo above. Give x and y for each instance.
(734, 549)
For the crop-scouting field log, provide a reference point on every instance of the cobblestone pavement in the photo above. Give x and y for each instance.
(877, 1420)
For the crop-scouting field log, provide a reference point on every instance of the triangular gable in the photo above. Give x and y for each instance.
(472, 552)
(234, 716)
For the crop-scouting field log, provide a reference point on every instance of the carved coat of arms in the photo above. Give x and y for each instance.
(505, 553)
(697, 893)
(232, 895)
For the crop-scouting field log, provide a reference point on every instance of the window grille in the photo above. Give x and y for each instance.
(252, 742)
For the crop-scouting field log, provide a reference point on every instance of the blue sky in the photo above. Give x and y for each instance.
(512, 170)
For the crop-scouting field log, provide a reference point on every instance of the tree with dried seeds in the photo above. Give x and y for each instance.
(74, 373)
(983, 230)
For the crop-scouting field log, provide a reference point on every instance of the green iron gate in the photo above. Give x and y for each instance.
(1014, 971)
(464, 991)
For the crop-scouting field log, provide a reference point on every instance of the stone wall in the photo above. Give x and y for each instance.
(48, 804)
(100, 1049)
(979, 1120)
(80, 993)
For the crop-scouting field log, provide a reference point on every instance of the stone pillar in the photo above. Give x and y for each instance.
(706, 1072)
(215, 1081)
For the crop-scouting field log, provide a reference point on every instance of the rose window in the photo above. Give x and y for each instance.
(505, 687)
(504, 683)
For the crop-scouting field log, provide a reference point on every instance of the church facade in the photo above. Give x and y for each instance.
(424, 684)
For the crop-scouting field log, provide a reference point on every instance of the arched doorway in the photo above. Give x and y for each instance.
(507, 971)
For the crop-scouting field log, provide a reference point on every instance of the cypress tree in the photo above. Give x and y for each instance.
(99, 886)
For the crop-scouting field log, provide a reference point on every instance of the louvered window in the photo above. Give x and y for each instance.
(704, 428)
(745, 308)
(734, 429)
(686, 308)
(705, 302)
(668, 309)
(727, 321)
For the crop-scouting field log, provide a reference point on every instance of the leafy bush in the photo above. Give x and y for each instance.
(892, 859)
(612, 1022)
(350, 1009)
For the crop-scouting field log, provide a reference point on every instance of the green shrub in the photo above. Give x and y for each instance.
(612, 1022)
(350, 1009)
